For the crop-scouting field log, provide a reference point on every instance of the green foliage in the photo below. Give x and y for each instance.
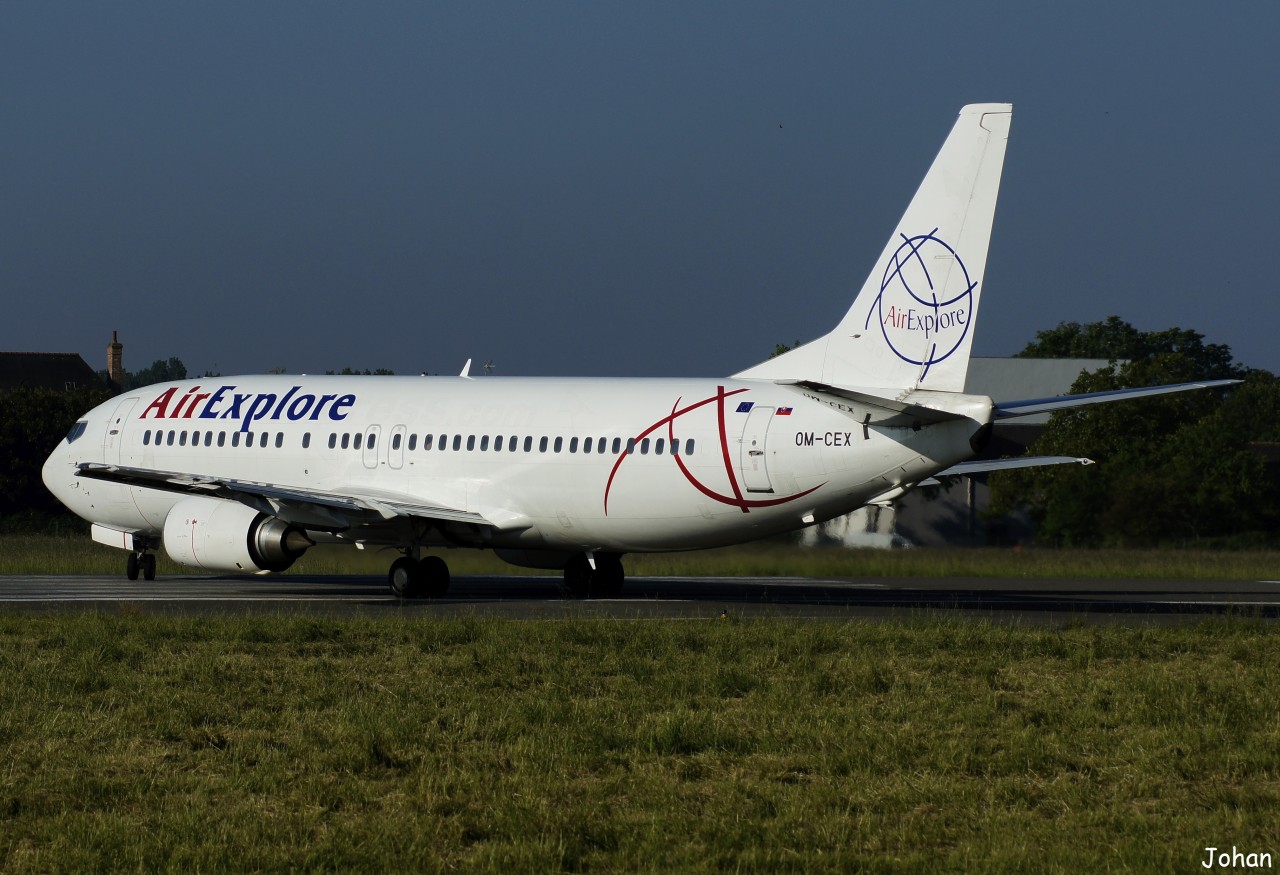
(1116, 339)
(356, 372)
(1174, 469)
(32, 422)
(160, 371)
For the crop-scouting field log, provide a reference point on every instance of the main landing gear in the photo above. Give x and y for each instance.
(141, 562)
(411, 578)
(604, 580)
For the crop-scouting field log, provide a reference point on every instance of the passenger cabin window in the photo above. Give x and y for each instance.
(333, 441)
(413, 442)
(262, 442)
(471, 442)
(457, 442)
(559, 444)
(617, 446)
(279, 439)
(306, 440)
(357, 440)
(657, 446)
(208, 438)
(146, 436)
(573, 445)
(346, 440)
(169, 439)
(222, 438)
(426, 441)
(373, 439)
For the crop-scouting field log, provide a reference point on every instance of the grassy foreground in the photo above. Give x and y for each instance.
(76, 554)
(249, 744)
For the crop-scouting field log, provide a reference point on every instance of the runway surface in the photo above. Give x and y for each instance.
(537, 597)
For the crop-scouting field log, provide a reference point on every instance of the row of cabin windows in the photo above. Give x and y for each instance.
(512, 444)
(209, 438)
(483, 443)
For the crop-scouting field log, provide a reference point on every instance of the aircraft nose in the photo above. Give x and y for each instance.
(59, 476)
(56, 469)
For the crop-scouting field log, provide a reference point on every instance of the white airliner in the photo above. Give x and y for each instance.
(244, 474)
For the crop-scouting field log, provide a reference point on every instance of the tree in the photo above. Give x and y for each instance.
(160, 371)
(32, 421)
(1172, 469)
(1115, 339)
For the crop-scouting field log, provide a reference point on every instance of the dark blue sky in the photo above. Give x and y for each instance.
(597, 188)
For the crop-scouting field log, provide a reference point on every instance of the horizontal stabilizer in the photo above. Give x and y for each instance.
(875, 409)
(965, 469)
(1010, 409)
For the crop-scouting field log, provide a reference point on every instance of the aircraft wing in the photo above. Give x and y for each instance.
(1010, 409)
(291, 503)
(985, 466)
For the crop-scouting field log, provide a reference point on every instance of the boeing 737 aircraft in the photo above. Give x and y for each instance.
(244, 474)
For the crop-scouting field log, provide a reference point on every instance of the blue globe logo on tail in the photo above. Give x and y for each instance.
(919, 326)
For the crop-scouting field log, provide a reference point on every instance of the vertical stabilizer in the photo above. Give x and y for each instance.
(912, 324)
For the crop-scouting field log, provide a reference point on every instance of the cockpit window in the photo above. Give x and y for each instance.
(76, 431)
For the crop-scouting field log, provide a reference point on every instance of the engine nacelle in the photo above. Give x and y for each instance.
(219, 535)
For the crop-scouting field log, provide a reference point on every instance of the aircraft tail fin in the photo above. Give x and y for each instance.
(911, 326)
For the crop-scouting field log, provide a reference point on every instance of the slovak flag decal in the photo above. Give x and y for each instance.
(784, 411)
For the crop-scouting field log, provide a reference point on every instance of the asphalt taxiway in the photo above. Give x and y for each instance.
(538, 597)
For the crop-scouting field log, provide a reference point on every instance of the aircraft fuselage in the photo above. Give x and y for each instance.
(561, 464)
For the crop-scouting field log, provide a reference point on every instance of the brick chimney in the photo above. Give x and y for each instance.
(115, 360)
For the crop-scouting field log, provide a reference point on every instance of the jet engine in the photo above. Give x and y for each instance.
(219, 535)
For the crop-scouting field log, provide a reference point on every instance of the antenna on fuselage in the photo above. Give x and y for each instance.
(466, 369)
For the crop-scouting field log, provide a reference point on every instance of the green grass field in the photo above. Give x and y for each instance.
(149, 743)
(76, 554)
(138, 742)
